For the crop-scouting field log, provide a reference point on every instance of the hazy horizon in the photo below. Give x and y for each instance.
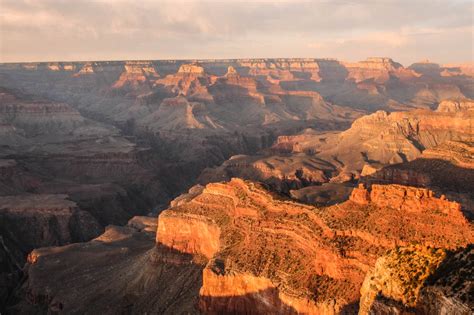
(108, 30)
(459, 62)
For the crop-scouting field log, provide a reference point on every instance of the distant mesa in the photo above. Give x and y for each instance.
(379, 69)
(194, 69)
(136, 73)
(231, 71)
(86, 69)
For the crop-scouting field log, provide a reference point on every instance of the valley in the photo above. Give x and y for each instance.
(278, 184)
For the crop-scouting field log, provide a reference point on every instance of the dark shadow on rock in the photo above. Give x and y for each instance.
(258, 303)
(350, 309)
(332, 71)
(125, 276)
(450, 286)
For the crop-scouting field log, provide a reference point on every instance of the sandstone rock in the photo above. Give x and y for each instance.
(378, 69)
(445, 169)
(242, 272)
(382, 138)
(231, 71)
(233, 247)
(280, 172)
(419, 280)
(466, 69)
(323, 195)
(360, 195)
(399, 276)
(452, 106)
(86, 69)
(197, 117)
(191, 69)
(404, 197)
(192, 235)
(137, 75)
(283, 69)
(190, 80)
(458, 153)
(30, 117)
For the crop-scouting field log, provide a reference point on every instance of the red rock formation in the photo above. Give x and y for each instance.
(260, 250)
(136, 73)
(232, 77)
(378, 69)
(192, 235)
(190, 80)
(419, 280)
(139, 276)
(280, 172)
(360, 195)
(277, 70)
(459, 153)
(383, 138)
(253, 253)
(406, 198)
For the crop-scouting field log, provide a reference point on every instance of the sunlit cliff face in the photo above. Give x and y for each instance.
(275, 256)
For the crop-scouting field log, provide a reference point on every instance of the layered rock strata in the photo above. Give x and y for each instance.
(243, 273)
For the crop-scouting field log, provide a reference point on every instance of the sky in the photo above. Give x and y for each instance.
(350, 30)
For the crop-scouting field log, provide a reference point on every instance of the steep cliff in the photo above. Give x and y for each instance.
(384, 138)
(32, 221)
(379, 70)
(300, 249)
(120, 271)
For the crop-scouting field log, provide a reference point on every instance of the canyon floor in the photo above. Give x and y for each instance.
(247, 186)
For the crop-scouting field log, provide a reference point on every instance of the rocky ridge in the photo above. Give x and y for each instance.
(201, 218)
(376, 149)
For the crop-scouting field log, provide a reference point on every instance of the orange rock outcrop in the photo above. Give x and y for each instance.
(378, 69)
(191, 80)
(386, 138)
(272, 256)
(136, 73)
(188, 234)
(405, 198)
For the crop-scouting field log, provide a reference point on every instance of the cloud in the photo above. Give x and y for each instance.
(119, 29)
